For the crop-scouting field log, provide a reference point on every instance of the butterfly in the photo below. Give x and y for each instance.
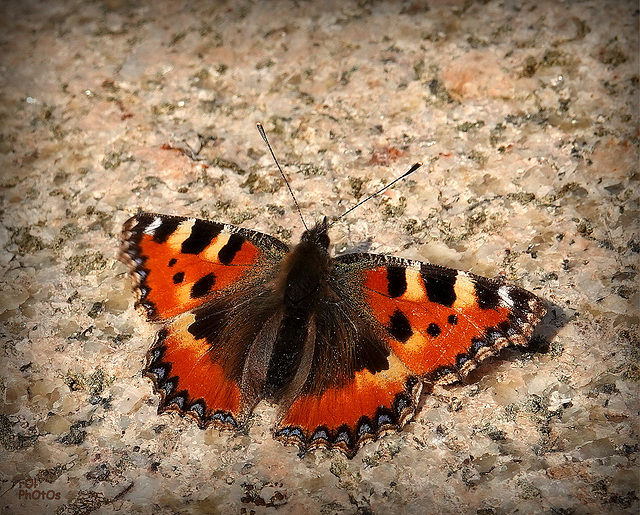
(342, 345)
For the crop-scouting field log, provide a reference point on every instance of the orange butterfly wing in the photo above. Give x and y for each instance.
(180, 266)
(443, 322)
(178, 263)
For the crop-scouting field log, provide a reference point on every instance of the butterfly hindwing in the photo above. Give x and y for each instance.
(367, 405)
(356, 388)
(189, 378)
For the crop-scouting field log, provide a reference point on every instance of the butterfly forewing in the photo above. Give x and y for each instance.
(178, 263)
(441, 322)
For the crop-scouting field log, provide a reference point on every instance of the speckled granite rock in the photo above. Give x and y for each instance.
(527, 115)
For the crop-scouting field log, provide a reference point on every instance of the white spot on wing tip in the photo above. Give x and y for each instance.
(505, 296)
(151, 228)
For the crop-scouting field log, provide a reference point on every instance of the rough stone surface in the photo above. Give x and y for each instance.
(526, 116)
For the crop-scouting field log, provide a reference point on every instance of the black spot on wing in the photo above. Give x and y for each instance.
(370, 353)
(439, 284)
(178, 278)
(397, 278)
(172, 262)
(229, 251)
(203, 286)
(399, 326)
(433, 330)
(202, 234)
(452, 319)
(166, 229)
(486, 293)
(207, 324)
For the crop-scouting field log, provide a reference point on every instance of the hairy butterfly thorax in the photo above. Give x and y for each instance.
(306, 267)
(343, 345)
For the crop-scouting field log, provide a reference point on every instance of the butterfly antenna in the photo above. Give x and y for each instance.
(284, 177)
(406, 174)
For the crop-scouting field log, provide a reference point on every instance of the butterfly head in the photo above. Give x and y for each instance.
(318, 234)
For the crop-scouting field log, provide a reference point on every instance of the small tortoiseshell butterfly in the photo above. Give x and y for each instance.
(343, 345)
